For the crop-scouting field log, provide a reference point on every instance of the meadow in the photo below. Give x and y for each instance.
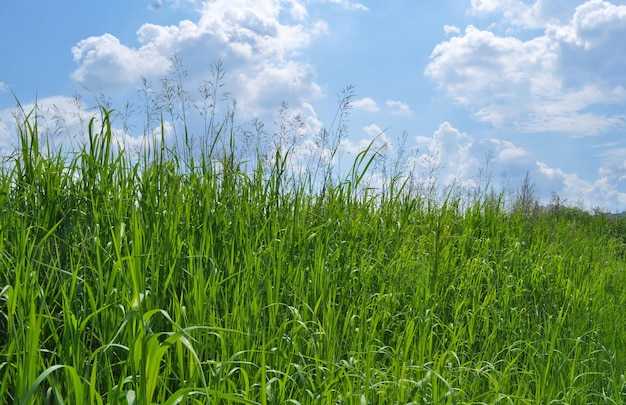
(186, 277)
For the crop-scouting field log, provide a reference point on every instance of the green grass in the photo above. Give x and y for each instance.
(167, 279)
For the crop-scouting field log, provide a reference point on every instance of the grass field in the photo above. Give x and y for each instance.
(180, 278)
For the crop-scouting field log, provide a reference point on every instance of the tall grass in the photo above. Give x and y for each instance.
(176, 278)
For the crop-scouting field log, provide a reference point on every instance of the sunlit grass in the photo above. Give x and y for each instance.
(171, 279)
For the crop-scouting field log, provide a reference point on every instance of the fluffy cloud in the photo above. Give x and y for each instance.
(450, 154)
(550, 82)
(365, 104)
(592, 43)
(457, 158)
(451, 30)
(452, 157)
(104, 63)
(376, 138)
(259, 43)
(571, 188)
(593, 14)
(520, 13)
(399, 108)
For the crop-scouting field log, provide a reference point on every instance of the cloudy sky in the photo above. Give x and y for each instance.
(503, 87)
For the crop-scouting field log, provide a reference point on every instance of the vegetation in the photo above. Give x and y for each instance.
(183, 278)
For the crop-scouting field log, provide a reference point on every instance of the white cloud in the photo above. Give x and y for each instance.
(524, 14)
(597, 28)
(452, 157)
(373, 130)
(447, 157)
(365, 104)
(550, 82)
(514, 12)
(492, 74)
(508, 151)
(259, 42)
(452, 150)
(570, 188)
(298, 11)
(399, 108)
(104, 63)
(3, 87)
(485, 6)
(273, 83)
(451, 30)
(614, 167)
(376, 138)
(593, 16)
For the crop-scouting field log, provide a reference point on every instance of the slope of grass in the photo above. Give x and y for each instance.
(141, 282)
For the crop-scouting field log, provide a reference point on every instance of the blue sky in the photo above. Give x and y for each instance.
(499, 86)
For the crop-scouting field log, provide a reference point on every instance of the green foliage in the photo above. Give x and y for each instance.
(168, 281)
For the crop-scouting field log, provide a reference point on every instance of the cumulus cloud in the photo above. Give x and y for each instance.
(259, 42)
(104, 63)
(373, 130)
(365, 104)
(570, 188)
(592, 43)
(376, 138)
(450, 152)
(454, 157)
(550, 82)
(399, 108)
(524, 14)
(451, 30)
